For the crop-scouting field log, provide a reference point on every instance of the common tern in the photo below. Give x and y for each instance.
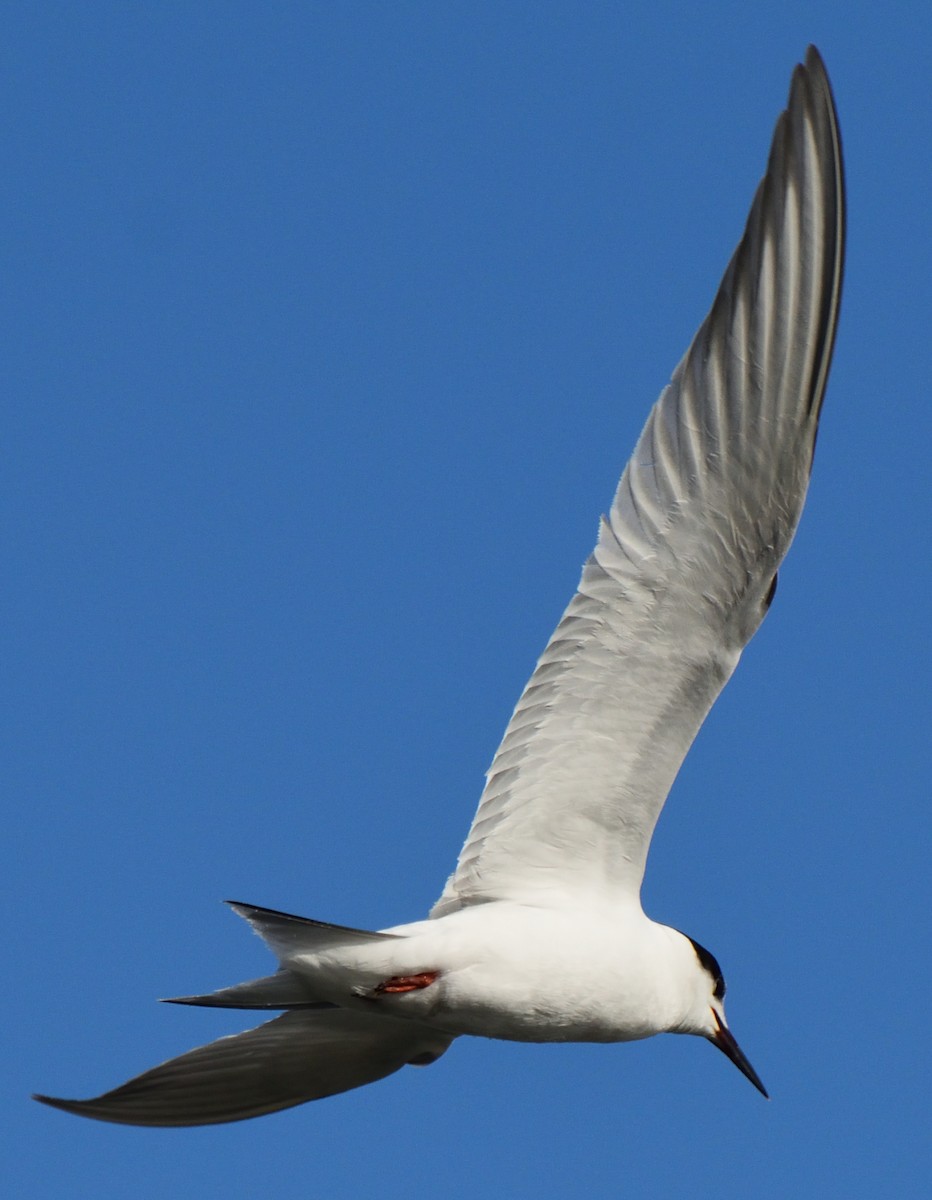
(539, 934)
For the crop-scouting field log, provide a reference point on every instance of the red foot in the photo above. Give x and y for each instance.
(404, 983)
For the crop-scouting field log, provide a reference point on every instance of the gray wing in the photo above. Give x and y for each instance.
(685, 566)
(303, 1055)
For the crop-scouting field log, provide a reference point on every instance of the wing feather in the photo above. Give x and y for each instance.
(301, 1056)
(685, 564)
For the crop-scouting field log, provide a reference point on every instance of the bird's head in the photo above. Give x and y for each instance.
(706, 1015)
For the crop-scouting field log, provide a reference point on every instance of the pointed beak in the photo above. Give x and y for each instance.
(725, 1040)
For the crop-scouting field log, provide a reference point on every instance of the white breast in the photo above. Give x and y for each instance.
(546, 975)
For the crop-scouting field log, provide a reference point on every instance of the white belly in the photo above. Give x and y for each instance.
(538, 975)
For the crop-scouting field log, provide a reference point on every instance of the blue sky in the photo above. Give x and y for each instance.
(328, 330)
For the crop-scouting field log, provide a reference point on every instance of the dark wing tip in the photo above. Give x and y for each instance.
(70, 1106)
(806, 160)
(95, 1109)
(814, 59)
(822, 97)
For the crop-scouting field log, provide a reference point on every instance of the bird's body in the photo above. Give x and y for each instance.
(518, 972)
(539, 935)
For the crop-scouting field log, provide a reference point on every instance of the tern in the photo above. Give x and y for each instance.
(539, 935)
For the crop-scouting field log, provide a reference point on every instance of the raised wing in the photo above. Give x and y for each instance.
(685, 566)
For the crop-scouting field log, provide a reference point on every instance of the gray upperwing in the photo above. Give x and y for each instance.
(685, 564)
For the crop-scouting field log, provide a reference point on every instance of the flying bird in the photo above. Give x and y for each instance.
(539, 935)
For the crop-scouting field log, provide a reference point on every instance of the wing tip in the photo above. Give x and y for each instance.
(77, 1107)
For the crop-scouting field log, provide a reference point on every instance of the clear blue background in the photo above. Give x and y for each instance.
(328, 329)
